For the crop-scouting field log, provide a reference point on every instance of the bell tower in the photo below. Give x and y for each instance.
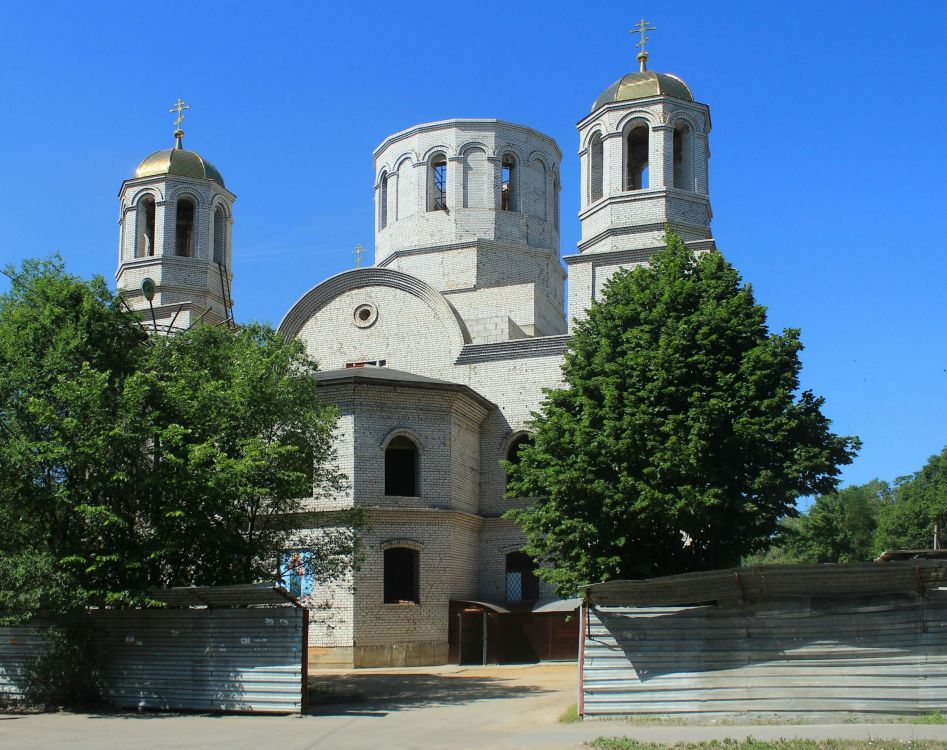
(174, 264)
(643, 156)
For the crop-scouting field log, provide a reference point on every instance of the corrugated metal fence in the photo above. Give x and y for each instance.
(873, 653)
(250, 659)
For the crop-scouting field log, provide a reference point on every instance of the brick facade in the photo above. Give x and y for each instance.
(465, 306)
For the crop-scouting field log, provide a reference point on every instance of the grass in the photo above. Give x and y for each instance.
(934, 717)
(626, 743)
(570, 715)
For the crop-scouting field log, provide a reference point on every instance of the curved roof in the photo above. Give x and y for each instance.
(322, 294)
(641, 85)
(178, 161)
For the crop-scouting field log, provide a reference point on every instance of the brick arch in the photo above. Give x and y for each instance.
(186, 191)
(508, 148)
(677, 118)
(409, 156)
(637, 114)
(472, 145)
(320, 295)
(402, 432)
(219, 202)
(140, 195)
(598, 127)
(504, 442)
(439, 149)
(414, 544)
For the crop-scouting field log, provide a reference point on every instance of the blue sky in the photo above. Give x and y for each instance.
(828, 168)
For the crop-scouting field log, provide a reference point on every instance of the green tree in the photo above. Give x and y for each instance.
(907, 520)
(131, 462)
(840, 526)
(680, 437)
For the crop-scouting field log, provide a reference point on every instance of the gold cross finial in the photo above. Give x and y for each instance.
(358, 254)
(178, 107)
(641, 28)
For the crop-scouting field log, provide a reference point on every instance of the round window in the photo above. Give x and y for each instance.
(365, 315)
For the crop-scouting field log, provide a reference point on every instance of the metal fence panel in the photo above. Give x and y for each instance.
(18, 647)
(872, 654)
(249, 659)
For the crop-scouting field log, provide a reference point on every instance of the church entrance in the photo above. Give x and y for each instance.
(526, 633)
(473, 644)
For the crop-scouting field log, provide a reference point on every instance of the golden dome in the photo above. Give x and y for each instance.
(641, 85)
(179, 161)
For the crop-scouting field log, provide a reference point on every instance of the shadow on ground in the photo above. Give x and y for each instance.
(378, 694)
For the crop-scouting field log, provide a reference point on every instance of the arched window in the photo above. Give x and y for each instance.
(508, 195)
(681, 161)
(383, 200)
(401, 467)
(636, 158)
(521, 581)
(513, 451)
(145, 223)
(437, 183)
(184, 228)
(596, 168)
(402, 574)
(220, 235)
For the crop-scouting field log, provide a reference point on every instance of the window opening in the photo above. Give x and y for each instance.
(597, 172)
(513, 452)
(220, 236)
(522, 584)
(438, 184)
(680, 165)
(145, 242)
(184, 229)
(401, 576)
(507, 196)
(383, 201)
(368, 363)
(401, 467)
(636, 164)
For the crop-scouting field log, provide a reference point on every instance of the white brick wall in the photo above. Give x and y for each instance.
(471, 296)
(196, 282)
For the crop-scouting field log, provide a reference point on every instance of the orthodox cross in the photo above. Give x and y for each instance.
(358, 254)
(178, 107)
(642, 27)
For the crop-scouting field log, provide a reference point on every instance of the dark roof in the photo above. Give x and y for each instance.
(913, 554)
(387, 376)
(240, 595)
(772, 582)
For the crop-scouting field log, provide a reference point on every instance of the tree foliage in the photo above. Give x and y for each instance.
(837, 528)
(680, 437)
(920, 500)
(129, 462)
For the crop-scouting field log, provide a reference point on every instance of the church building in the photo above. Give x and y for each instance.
(437, 353)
